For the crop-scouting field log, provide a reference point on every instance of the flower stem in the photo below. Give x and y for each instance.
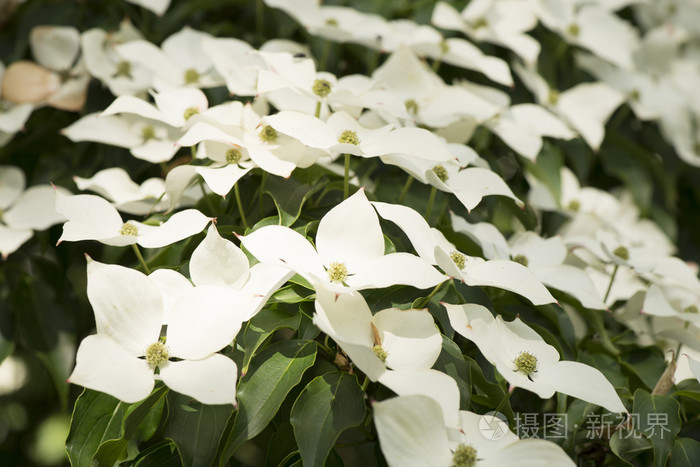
(139, 256)
(406, 187)
(431, 201)
(426, 300)
(436, 64)
(262, 190)
(365, 383)
(240, 206)
(346, 182)
(612, 278)
(318, 109)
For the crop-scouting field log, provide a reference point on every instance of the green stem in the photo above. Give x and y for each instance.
(240, 206)
(431, 201)
(262, 190)
(139, 256)
(612, 278)
(324, 55)
(436, 64)
(426, 300)
(193, 151)
(365, 383)
(680, 344)
(346, 182)
(318, 109)
(406, 187)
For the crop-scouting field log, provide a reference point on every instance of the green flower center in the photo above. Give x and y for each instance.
(691, 309)
(129, 229)
(148, 133)
(459, 259)
(124, 69)
(574, 205)
(156, 354)
(411, 106)
(190, 111)
(233, 156)
(444, 47)
(268, 134)
(522, 259)
(526, 362)
(380, 353)
(441, 173)
(574, 29)
(480, 23)
(337, 271)
(191, 76)
(553, 97)
(349, 137)
(622, 253)
(464, 456)
(321, 88)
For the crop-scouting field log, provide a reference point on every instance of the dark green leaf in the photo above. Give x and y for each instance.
(276, 370)
(496, 395)
(163, 454)
(260, 327)
(97, 417)
(659, 420)
(685, 453)
(289, 196)
(196, 433)
(328, 405)
(628, 444)
(114, 450)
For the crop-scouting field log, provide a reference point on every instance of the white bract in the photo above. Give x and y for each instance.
(526, 361)
(395, 347)
(23, 211)
(432, 246)
(412, 432)
(93, 218)
(349, 253)
(122, 357)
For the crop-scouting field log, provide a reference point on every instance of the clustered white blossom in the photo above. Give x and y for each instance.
(172, 327)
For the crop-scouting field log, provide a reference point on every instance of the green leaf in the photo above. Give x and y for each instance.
(289, 196)
(112, 451)
(163, 454)
(685, 453)
(451, 362)
(292, 294)
(628, 444)
(326, 407)
(97, 417)
(276, 370)
(195, 428)
(259, 328)
(659, 420)
(493, 391)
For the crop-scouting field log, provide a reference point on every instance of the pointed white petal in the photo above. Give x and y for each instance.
(172, 285)
(103, 365)
(529, 453)
(583, 382)
(409, 337)
(308, 129)
(89, 217)
(222, 179)
(350, 233)
(12, 184)
(12, 239)
(508, 275)
(413, 225)
(412, 432)
(133, 319)
(587, 107)
(283, 246)
(109, 129)
(573, 281)
(396, 268)
(35, 209)
(472, 184)
(180, 226)
(211, 380)
(493, 243)
(204, 320)
(217, 261)
(416, 142)
(55, 47)
(151, 57)
(265, 279)
(136, 106)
